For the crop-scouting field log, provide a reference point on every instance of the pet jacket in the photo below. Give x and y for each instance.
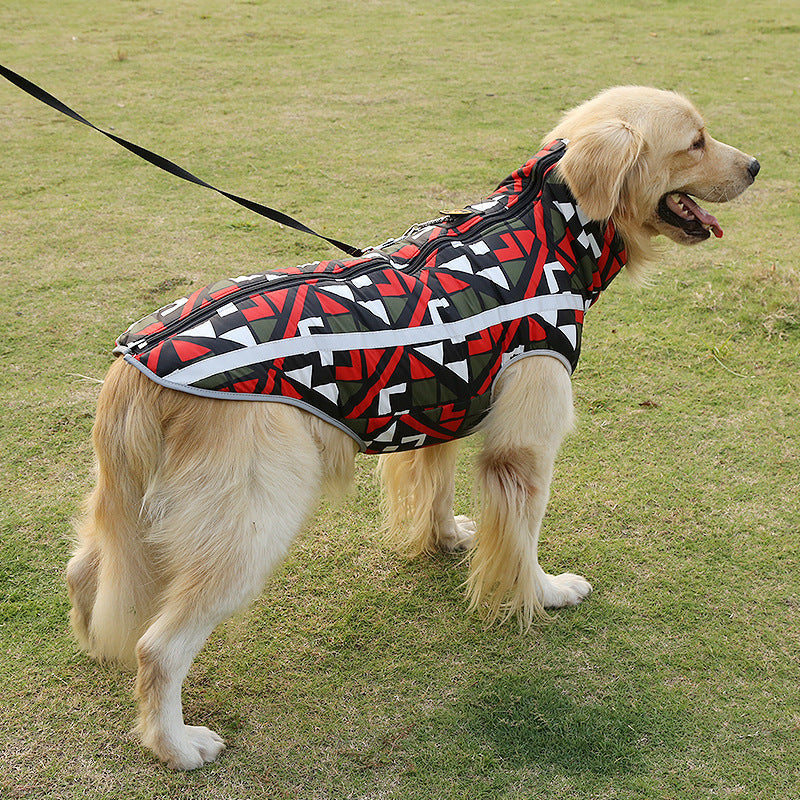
(401, 346)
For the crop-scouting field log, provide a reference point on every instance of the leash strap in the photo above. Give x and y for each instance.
(167, 165)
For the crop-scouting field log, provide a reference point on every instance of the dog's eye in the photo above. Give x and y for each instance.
(699, 143)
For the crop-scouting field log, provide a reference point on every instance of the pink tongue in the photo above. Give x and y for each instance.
(701, 214)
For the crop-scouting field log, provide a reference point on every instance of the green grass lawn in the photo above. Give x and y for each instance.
(359, 674)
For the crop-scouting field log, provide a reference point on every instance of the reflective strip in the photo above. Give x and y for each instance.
(343, 342)
(211, 394)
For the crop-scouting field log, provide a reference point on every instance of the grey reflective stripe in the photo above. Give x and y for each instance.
(342, 342)
(211, 394)
(514, 359)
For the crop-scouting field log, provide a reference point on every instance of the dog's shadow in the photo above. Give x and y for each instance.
(546, 717)
(514, 701)
(522, 721)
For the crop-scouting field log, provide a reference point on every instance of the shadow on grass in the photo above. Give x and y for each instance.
(524, 723)
(504, 732)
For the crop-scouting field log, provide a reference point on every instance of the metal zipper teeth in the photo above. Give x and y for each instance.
(414, 265)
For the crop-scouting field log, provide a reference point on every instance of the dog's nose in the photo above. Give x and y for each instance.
(754, 168)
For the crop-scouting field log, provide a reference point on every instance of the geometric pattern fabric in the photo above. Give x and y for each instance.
(401, 346)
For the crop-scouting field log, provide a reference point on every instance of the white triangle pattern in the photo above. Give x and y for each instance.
(329, 390)
(550, 317)
(571, 332)
(305, 375)
(227, 310)
(496, 276)
(435, 352)
(376, 308)
(342, 290)
(460, 264)
(460, 368)
(388, 435)
(486, 205)
(242, 335)
(466, 258)
(302, 375)
(205, 329)
(304, 326)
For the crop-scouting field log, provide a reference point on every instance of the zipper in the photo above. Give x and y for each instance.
(415, 264)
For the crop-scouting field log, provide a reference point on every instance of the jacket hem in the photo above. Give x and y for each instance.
(212, 394)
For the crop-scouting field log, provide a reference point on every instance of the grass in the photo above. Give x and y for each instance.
(358, 674)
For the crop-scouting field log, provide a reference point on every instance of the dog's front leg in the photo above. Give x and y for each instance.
(531, 414)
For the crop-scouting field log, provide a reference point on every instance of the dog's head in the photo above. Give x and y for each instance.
(641, 156)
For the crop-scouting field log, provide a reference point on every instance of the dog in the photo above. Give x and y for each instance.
(198, 497)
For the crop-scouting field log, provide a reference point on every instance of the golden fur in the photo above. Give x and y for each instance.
(184, 524)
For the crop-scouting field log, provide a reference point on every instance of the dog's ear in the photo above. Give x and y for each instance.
(599, 161)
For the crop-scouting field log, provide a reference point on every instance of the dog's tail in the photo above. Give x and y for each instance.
(113, 578)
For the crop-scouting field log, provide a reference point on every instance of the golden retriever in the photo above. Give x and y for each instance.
(197, 499)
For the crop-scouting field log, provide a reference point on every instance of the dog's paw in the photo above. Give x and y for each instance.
(459, 537)
(198, 746)
(565, 590)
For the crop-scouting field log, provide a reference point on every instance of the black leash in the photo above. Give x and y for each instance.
(167, 165)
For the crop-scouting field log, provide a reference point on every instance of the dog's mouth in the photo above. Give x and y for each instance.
(680, 211)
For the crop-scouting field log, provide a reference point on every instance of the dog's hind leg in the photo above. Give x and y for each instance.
(531, 414)
(231, 496)
(418, 492)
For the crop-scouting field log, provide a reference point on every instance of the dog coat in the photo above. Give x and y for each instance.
(401, 346)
